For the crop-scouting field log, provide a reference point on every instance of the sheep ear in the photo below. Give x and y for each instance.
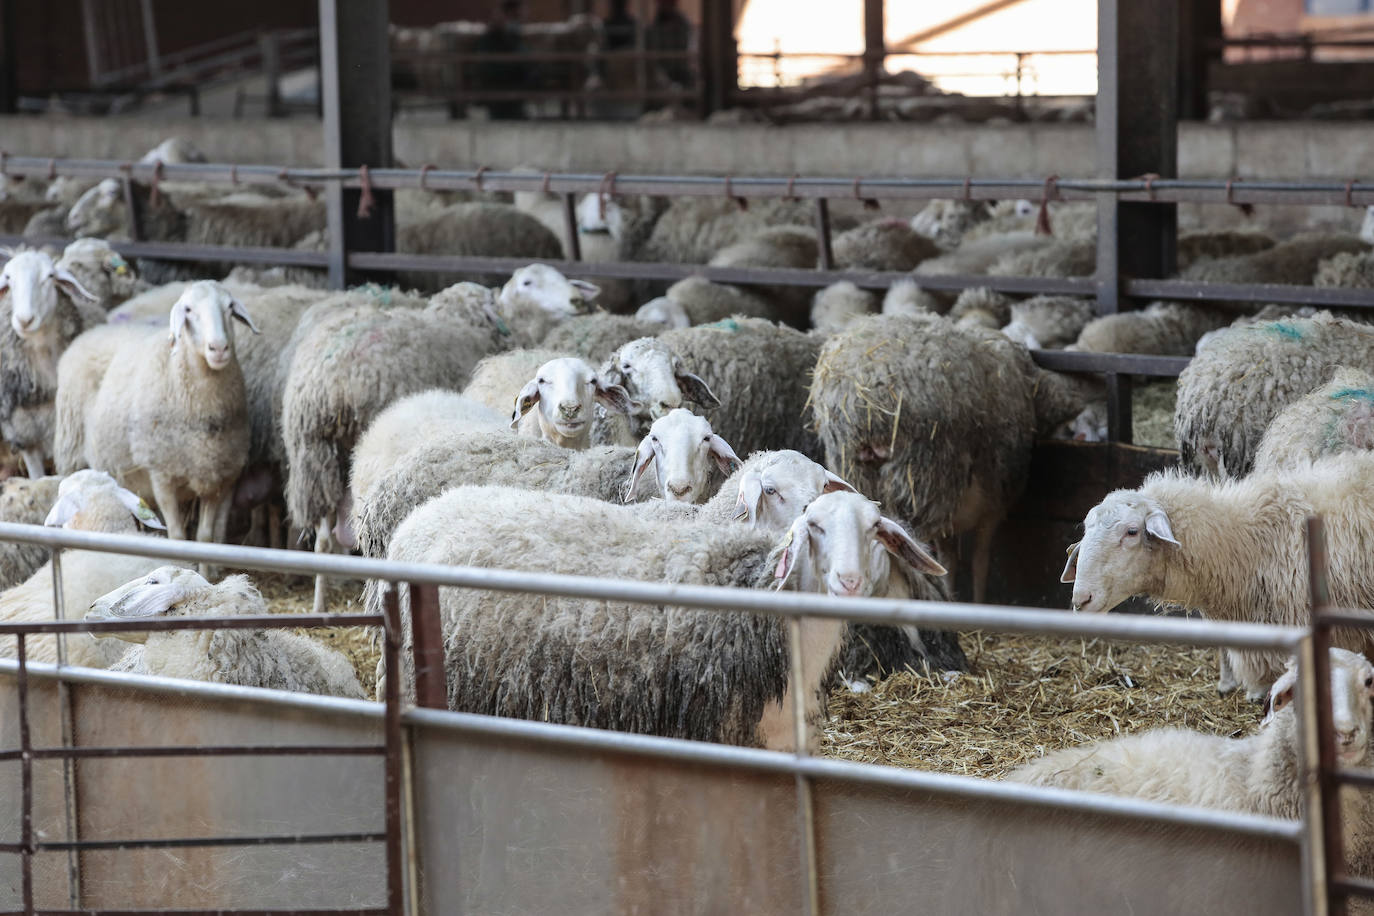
(4, 284)
(139, 509)
(725, 456)
(795, 545)
(1070, 572)
(147, 600)
(750, 496)
(834, 482)
(62, 511)
(71, 286)
(527, 398)
(614, 397)
(694, 389)
(116, 265)
(239, 311)
(906, 548)
(181, 313)
(1157, 524)
(1281, 694)
(589, 291)
(644, 456)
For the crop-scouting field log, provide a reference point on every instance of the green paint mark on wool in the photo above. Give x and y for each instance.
(1353, 394)
(1284, 329)
(727, 324)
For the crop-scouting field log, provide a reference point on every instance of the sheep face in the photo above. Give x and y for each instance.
(772, 494)
(594, 211)
(90, 494)
(654, 376)
(34, 282)
(844, 546)
(564, 390)
(1352, 691)
(543, 286)
(1125, 546)
(100, 211)
(202, 315)
(664, 311)
(682, 447)
(156, 594)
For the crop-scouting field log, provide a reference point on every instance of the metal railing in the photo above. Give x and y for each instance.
(1312, 834)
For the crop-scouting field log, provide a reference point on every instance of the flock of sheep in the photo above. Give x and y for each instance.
(705, 434)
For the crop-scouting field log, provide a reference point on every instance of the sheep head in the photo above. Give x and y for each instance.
(844, 546)
(1352, 703)
(775, 491)
(682, 447)
(1126, 542)
(544, 287)
(564, 391)
(154, 595)
(87, 498)
(202, 316)
(100, 211)
(665, 311)
(34, 282)
(655, 377)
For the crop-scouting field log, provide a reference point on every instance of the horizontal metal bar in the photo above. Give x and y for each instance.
(697, 752)
(1353, 886)
(231, 750)
(1345, 617)
(164, 624)
(363, 911)
(1132, 363)
(1250, 292)
(1360, 776)
(714, 598)
(303, 839)
(464, 56)
(181, 251)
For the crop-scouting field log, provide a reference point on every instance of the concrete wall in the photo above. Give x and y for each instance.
(1281, 149)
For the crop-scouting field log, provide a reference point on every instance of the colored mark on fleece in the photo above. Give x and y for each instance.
(1284, 329)
(1353, 394)
(727, 324)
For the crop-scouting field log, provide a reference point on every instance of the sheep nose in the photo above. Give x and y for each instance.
(1345, 736)
(679, 490)
(1079, 603)
(570, 408)
(850, 584)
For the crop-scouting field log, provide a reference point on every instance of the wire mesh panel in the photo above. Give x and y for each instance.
(507, 828)
(883, 850)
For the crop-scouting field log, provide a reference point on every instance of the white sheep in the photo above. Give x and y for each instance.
(1232, 549)
(835, 306)
(45, 308)
(174, 421)
(657, 381)
(102, 271)
(86, 501)
(537, 297)
(697, 300)
(905, 297)
(681, 447)
(1258, 774)
(273, 659)
(556, 404)
(615, 665)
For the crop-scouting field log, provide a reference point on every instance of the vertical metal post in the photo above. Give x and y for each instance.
(806, 812)
(875, 47)
(641, 46)
(427, 648)
(827, 259)
(395, 881)
(719, 65)
(91, 32)
(1200, 35)
(1137, 134)
(269, 45)
(25, 776)
(68, 728)
(574, 251)
(355, 64)
(1327, 788)
(150, 38)
(9, 56)
(135, 209)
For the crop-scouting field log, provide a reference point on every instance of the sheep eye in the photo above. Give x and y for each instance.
(543, 381)
(1369, 682)
(1132, 531)
(771, 491)
(625, 368)
(653, 439)
(816, 528)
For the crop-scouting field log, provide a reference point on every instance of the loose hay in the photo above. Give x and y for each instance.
(287, 594)
(1152, 409)
(1026, 695)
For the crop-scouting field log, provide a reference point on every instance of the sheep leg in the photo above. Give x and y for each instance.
(165, 495)
(274, 529)
(948, 548)
(982, 559)
(324, 543)
(1227, 681)
(33, 462)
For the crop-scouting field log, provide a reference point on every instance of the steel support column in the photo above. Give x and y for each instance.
(1199, 35)
(9, 56)
(716, 46)
(875, 43)
(1137, 134)
(355, 64)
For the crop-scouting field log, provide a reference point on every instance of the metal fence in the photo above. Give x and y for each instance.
(437, 851)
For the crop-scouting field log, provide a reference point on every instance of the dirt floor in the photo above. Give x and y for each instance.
(1023, 695)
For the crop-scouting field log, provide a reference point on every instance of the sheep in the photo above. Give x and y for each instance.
(46, 308)
(473, 230)
(1293, 262)
(1195, 245)
(496, 379)
(272, 659)
(905, 297)
(657, 381)
(174, 150)
(1337, 417)
(175, 422)
(1272, 312)
(1346, 270)
(101, 271)
(86, 501)
(594, 337)
(978, 255)
(835, 306)
(898, 399)
(944, 222)
(981, 307)
(1258, 774)
(696, 300)
(1162, 328)
(610, 665)
(1048, 322)
(344, 365)
(1232, 549)
(556, 404)
(885, 244)
(681, 447)
(536, 299)
(1074, 257)
(692, 229)
(27, 502)
(793, 247)
(1260, 369)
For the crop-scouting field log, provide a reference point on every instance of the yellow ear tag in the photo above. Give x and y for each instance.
(145, 511)
(787, 541)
